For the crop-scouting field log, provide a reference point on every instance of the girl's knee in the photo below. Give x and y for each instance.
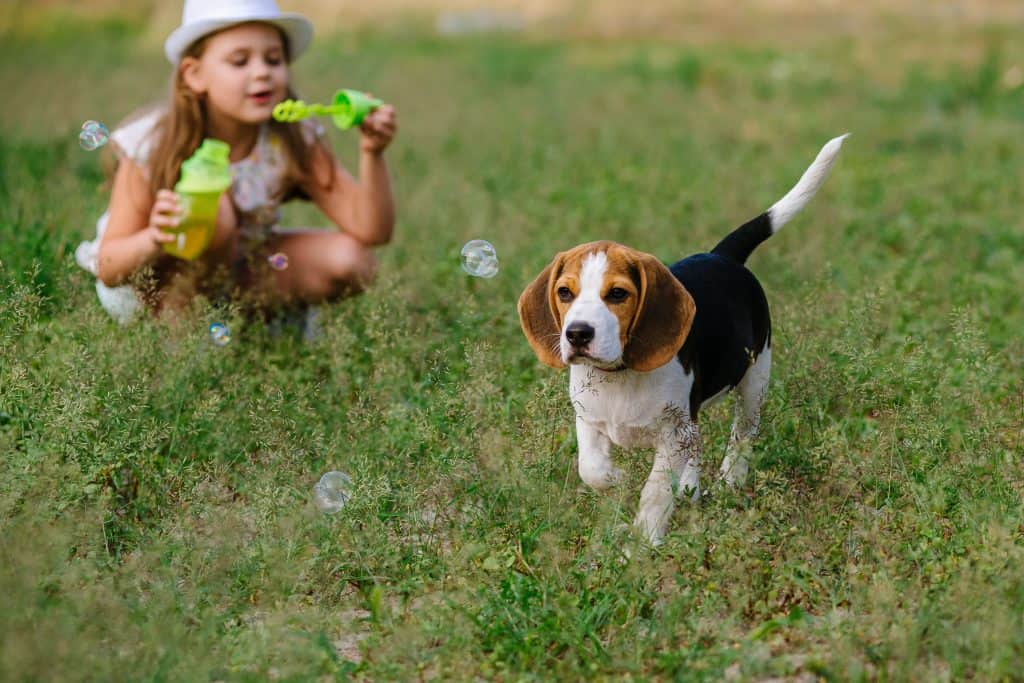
(337, 267)
(350, 270)
(353, 267)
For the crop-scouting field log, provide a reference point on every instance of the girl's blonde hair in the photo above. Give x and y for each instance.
(180, 131)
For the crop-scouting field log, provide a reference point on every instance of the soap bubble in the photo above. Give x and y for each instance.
(479, 258)
(93, 136)
(219, 334)
(332, 491)
(278, 261)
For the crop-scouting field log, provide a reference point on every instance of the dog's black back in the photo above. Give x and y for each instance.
(731, 327)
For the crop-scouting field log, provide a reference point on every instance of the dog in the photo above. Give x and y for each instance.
(648, 346)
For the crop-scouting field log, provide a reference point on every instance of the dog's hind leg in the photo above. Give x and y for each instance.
(750, 395)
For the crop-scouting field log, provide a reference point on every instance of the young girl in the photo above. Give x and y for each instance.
(231, 66)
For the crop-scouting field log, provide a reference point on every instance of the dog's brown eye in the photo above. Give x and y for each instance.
(564, 294)
(616, 295)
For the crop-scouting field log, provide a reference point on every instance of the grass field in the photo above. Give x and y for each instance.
(156, 515)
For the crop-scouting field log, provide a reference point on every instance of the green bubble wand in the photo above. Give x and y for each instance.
(348, 108)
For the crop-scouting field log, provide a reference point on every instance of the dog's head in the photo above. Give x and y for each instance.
(606, 305)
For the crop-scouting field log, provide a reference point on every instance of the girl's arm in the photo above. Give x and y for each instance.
(364, 209)
(133, 236)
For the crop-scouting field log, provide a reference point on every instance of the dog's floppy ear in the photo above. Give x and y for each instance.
(664, 315)
(538, 318)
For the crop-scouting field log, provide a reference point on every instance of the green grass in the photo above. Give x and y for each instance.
(156, 520)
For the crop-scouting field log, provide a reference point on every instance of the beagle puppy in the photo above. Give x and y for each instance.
(648, 346)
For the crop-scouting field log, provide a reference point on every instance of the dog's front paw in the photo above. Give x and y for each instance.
(601, 479)
(652, 522)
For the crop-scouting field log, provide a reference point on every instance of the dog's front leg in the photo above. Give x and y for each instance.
(595, 457)
(676, 473)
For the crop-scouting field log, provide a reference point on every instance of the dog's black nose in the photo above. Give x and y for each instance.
(579, 334)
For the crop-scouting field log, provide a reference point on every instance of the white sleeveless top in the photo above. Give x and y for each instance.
(257, 185)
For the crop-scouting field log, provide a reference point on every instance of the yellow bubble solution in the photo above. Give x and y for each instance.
(204, 177)
(199, 221)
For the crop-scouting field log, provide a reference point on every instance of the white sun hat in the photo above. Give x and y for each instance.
(202, 17)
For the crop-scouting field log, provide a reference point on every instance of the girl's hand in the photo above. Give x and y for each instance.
(378, 129)
(166, 213)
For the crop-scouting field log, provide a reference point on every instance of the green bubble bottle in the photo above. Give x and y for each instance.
(204, 177)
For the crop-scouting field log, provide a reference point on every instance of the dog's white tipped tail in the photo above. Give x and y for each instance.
(741, 242)
(787, 207)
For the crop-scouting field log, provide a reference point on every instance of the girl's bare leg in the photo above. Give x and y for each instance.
(322, 266)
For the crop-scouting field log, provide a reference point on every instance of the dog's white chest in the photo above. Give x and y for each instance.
(629, 406)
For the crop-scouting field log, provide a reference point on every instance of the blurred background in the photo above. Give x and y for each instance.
(668, 19)
(881, 38)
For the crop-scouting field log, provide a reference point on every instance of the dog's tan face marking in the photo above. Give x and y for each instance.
(599, 286)
(598, 296)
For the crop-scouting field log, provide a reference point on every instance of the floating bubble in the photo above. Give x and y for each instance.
(278, 261)
(219, 334)
(93, 136)
(479, 258)
(332, 491)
